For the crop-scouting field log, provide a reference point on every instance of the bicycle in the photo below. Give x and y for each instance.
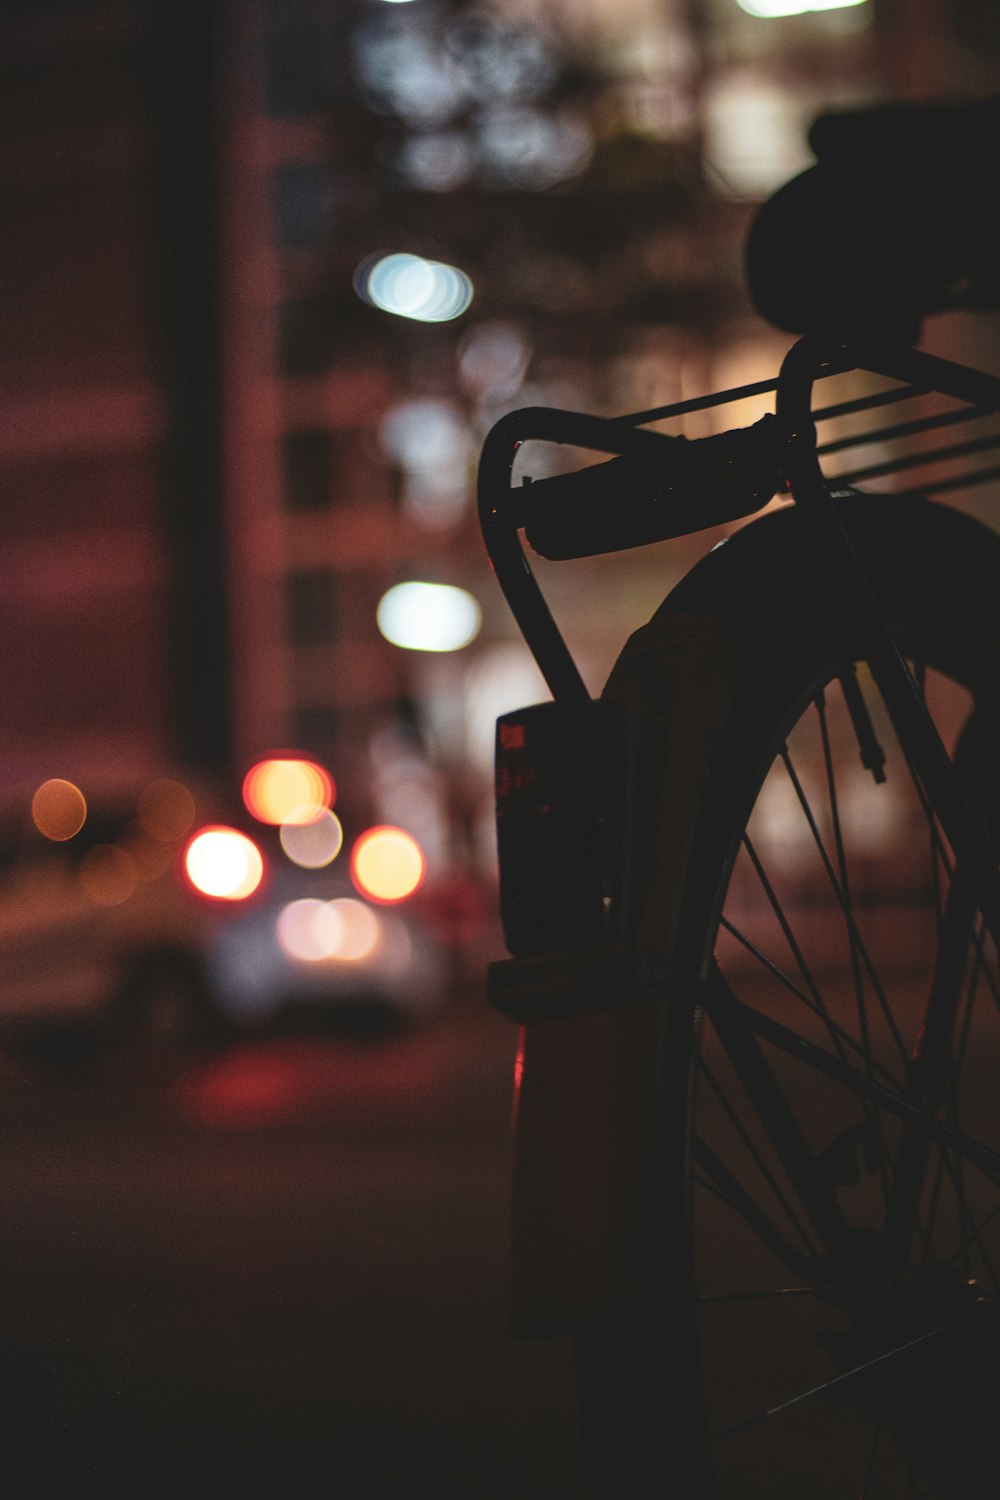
(752, 899)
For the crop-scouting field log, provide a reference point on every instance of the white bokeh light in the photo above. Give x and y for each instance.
(309, 930)
(430, 441)
(429, 616)
(360, 929)
(313, 845)
(771, 9)
(224, 863)
(521, 147)
(427, 291)
(344, 930)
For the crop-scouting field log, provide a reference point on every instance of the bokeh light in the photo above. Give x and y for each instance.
(437, 161)
(429, 616)
(288, 790)
(313, 845)
(166, 809)
(308, 930)
(528, 148)
(412, 287)
(429, 439)
(59, 809)
(387, 864)
(493, 358)
(769, 9)
(314, 931)
(224, 863)
(360, 929)
(152, 857)
(108, 874)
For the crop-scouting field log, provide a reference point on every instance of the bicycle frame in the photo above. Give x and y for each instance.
(587, 964)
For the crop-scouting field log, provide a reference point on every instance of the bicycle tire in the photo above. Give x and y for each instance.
(655, 1386)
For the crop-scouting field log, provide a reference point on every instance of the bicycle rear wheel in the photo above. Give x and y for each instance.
(822, 1299)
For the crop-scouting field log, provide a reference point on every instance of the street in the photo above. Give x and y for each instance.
(280, 1269)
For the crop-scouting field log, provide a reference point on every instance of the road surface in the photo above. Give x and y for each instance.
(278, 1270)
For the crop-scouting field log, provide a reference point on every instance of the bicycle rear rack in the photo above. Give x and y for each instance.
(847, 454)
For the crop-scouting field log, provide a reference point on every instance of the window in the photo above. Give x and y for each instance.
(307, 469)
(297, 71)
(303, 203)
(314, 331)
(316, 725)
(310, 606)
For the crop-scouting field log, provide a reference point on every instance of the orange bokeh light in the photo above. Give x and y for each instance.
(223, 863)
(166, 809)
(284, 789)
(387, 864)
(59, 809)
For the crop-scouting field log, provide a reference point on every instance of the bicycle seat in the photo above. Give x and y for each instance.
(906, 128)
(899, 218)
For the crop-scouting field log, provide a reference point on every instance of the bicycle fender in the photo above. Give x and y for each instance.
(682, 669)
(586, 1081)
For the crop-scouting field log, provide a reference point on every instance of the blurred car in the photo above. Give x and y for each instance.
(309, 941)
(111, 929)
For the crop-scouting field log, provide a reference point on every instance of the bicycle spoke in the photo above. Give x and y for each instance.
(842, 902)
(862, 951)
(857, 975)
(782, 920)
(957, 1254)
(847, 1377)
(779, 974)
(837, 1037)
(919, 669)
(773, 1294)
(833, 804)
(757, 1157)
(715, 1178)
(808, 1053)
(973, 1235)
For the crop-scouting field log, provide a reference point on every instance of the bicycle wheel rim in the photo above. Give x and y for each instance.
(819, 1318)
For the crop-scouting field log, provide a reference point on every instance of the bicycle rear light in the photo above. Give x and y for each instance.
(561, 796)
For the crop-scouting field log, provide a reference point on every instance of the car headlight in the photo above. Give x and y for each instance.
(343, 930)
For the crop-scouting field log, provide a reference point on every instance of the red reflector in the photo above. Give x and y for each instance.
(512, 736)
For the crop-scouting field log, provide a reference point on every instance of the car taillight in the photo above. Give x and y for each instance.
(387, 865)
(288, 790)
(223, 863)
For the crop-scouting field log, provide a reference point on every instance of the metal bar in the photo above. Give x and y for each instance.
(811, 357)
(919, 460)
(903, 429)
(518, 583)
(719, 398)
(499, 518)
(868, 403)
(762, 388)
(957, 482)
(698, 403)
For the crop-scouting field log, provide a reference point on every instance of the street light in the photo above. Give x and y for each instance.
(771, 9)
(409, 286)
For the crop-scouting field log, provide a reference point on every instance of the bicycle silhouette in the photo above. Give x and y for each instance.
(752, 899)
